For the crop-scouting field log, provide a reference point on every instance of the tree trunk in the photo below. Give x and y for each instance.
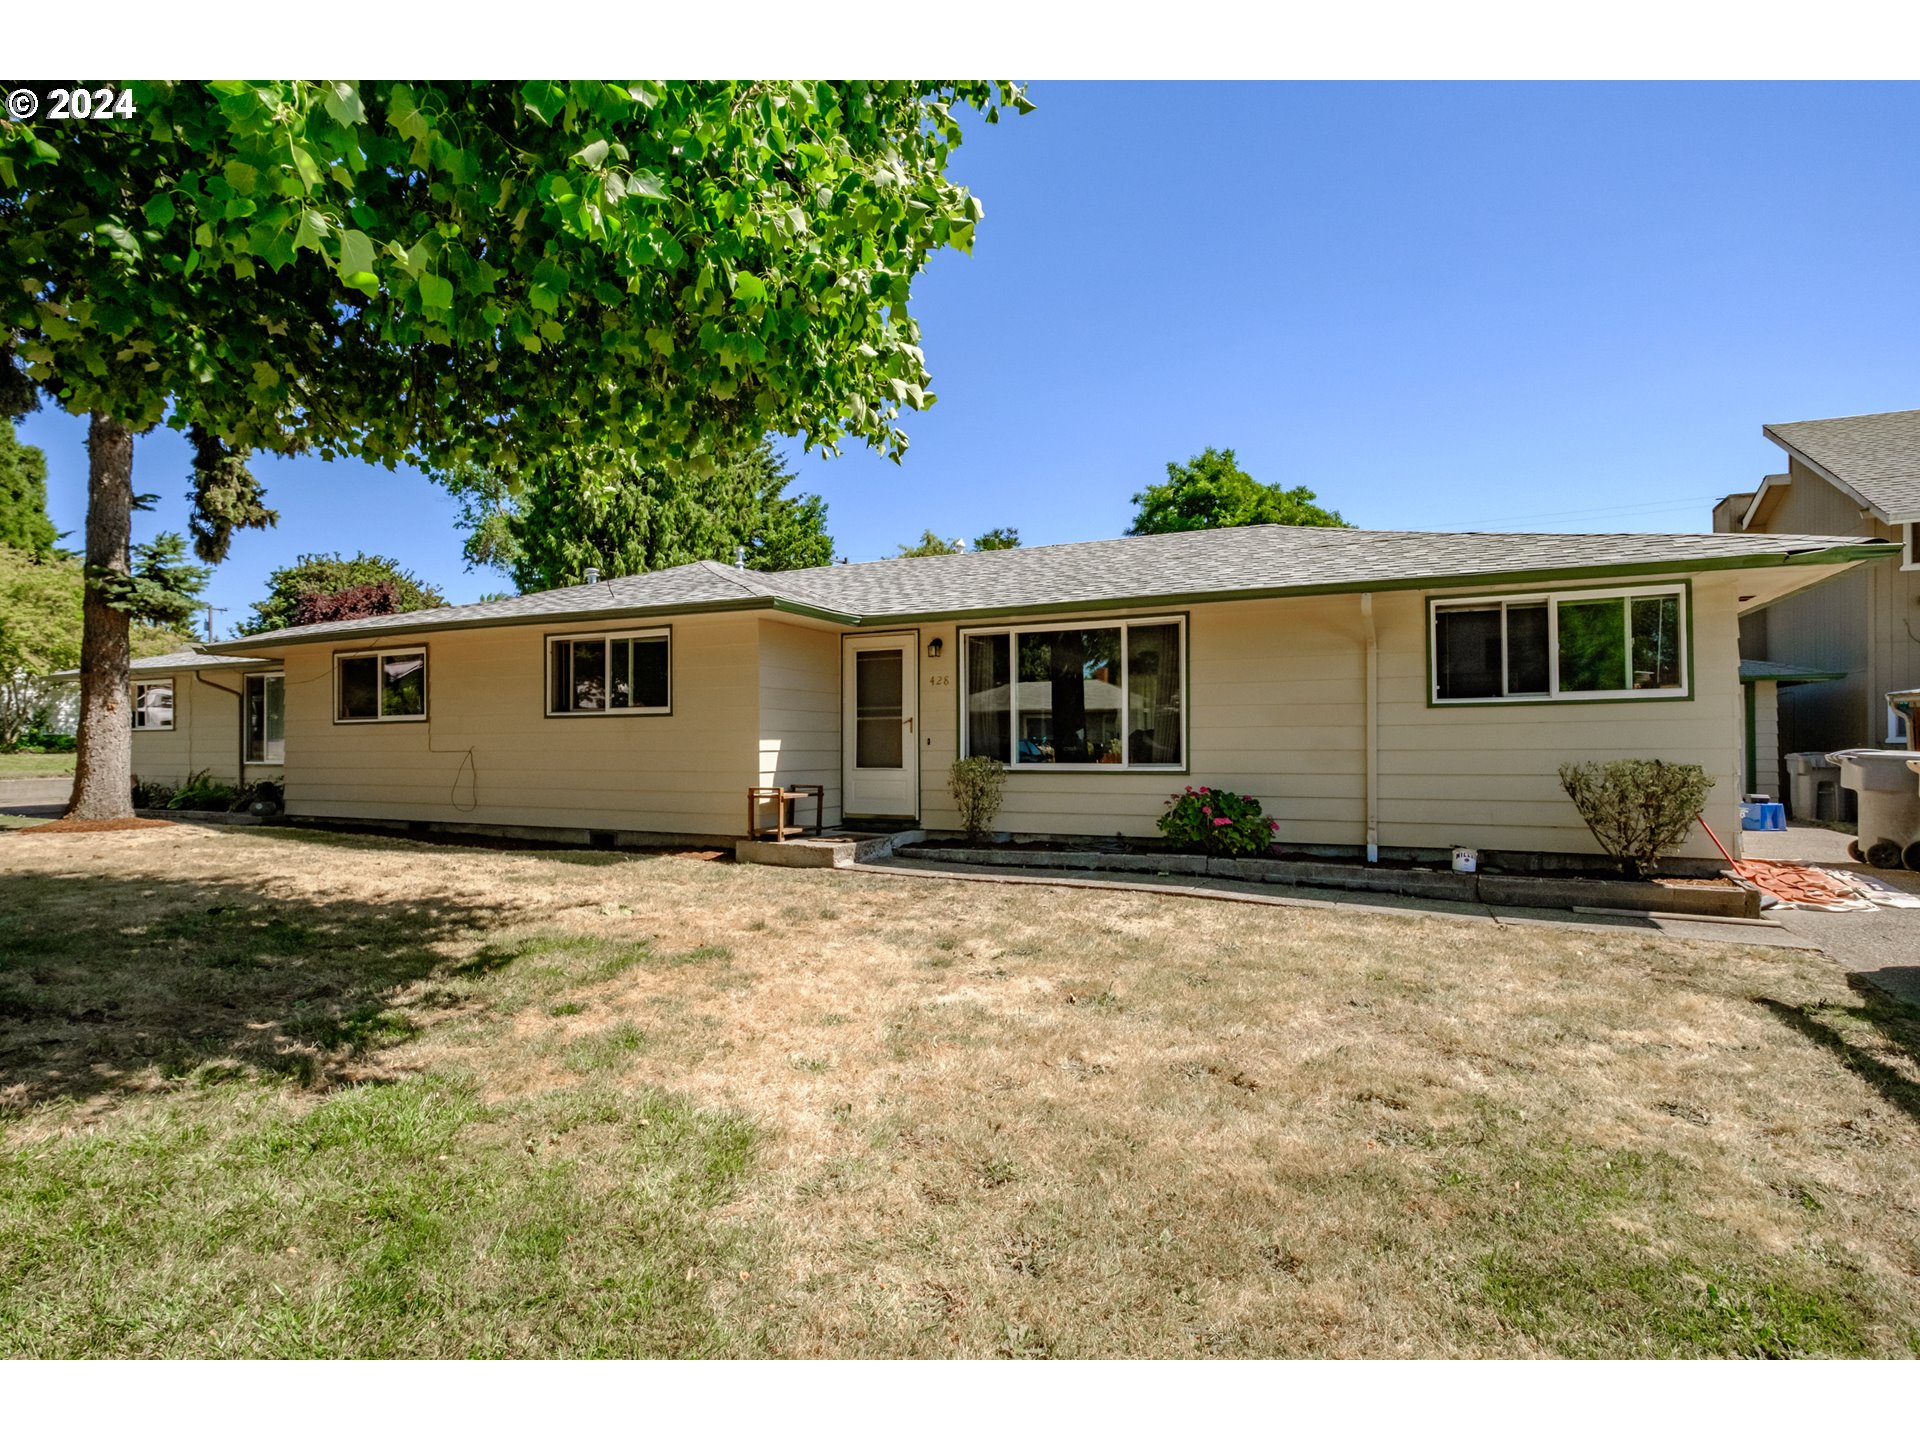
(103, 766)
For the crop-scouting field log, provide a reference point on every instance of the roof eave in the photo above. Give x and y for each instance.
(282, 639)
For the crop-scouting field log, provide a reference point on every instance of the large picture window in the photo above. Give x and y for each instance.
(625, 674)
(1108, 694)
(380, 685)
(1585, 645)
(153, 705)
(266, 719)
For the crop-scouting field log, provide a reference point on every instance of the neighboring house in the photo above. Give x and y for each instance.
(1378, 691)
(1856, 476)
(216, 713)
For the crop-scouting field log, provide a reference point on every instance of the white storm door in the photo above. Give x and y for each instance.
(880, 683)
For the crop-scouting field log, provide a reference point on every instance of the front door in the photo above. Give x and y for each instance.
(880, 680)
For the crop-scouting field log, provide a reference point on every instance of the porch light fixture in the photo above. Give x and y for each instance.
(933, 648)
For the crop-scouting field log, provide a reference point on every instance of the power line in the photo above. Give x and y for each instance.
(1605, 510)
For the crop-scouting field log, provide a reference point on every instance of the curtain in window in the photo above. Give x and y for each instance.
(1153, 694)
(989, 698)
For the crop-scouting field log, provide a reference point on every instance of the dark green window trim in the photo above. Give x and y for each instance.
(1052, 622)
(1519, 702)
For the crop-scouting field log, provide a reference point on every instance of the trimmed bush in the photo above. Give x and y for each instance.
(1217, 822)
(976, 784)
(1639, 810)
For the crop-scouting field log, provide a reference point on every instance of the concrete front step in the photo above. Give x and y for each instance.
(823, 851)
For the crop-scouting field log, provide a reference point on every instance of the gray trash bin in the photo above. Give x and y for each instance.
(1889, 805)
(1813, 786)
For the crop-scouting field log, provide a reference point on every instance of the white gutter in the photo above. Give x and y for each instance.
(1373, 728)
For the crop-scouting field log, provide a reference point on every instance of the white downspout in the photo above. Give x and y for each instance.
(1373, 728)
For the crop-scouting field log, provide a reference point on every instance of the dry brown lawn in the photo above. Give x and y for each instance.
(273, 1092)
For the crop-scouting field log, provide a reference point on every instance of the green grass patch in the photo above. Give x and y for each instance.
(1564, 1266)
(408, 1219)
(1596, 1305)
(21, 766)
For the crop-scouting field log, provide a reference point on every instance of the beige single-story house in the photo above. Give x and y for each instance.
(193, 712)
(1381, 692)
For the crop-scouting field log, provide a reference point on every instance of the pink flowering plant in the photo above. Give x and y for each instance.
(1217, 822)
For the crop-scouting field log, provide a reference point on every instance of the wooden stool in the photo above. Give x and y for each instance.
(782, 796)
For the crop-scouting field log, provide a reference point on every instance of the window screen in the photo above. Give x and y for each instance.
(1467, 653)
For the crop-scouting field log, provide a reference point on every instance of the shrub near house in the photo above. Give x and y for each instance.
(1217, 822)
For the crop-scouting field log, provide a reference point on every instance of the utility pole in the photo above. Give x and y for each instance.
(211, 610)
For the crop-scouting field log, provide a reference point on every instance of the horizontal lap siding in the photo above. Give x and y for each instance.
(489, 754)
(205, 734)
(800, 711)
(166, 756)
(216, 723)
(1487, 776)
(1276, 709)
(1768, 778)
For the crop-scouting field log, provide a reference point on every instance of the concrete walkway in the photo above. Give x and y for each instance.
(1882, 946)
(1206, 887)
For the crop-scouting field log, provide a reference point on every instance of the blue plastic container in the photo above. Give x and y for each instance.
(1771, 816)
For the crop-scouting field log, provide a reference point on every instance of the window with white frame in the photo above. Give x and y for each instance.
(267, 719)
(1054, 695)
(376, 685)
(629, 673)
(153, 705)
(1574, 645)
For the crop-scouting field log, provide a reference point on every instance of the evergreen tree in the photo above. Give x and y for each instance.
(931, 544)
(23, 496)
(559, 524)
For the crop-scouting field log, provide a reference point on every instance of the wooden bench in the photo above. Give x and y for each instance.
(781, 796)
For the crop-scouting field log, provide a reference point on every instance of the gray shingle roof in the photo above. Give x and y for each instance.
(1256, 559)
(1875, 456)
(173, 660)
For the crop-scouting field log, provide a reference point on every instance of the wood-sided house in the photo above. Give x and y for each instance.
(1380, 692)
(1840, 650)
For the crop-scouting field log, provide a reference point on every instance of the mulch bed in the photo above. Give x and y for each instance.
(92, 827)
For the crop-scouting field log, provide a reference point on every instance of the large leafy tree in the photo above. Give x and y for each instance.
(23, 496)
(446, 272)
(558, 525)
(310, 578)
(1211, 492)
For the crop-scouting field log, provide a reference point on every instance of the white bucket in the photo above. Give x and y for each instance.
(1465, 862)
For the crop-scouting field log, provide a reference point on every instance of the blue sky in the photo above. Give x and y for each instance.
(1499, 307)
